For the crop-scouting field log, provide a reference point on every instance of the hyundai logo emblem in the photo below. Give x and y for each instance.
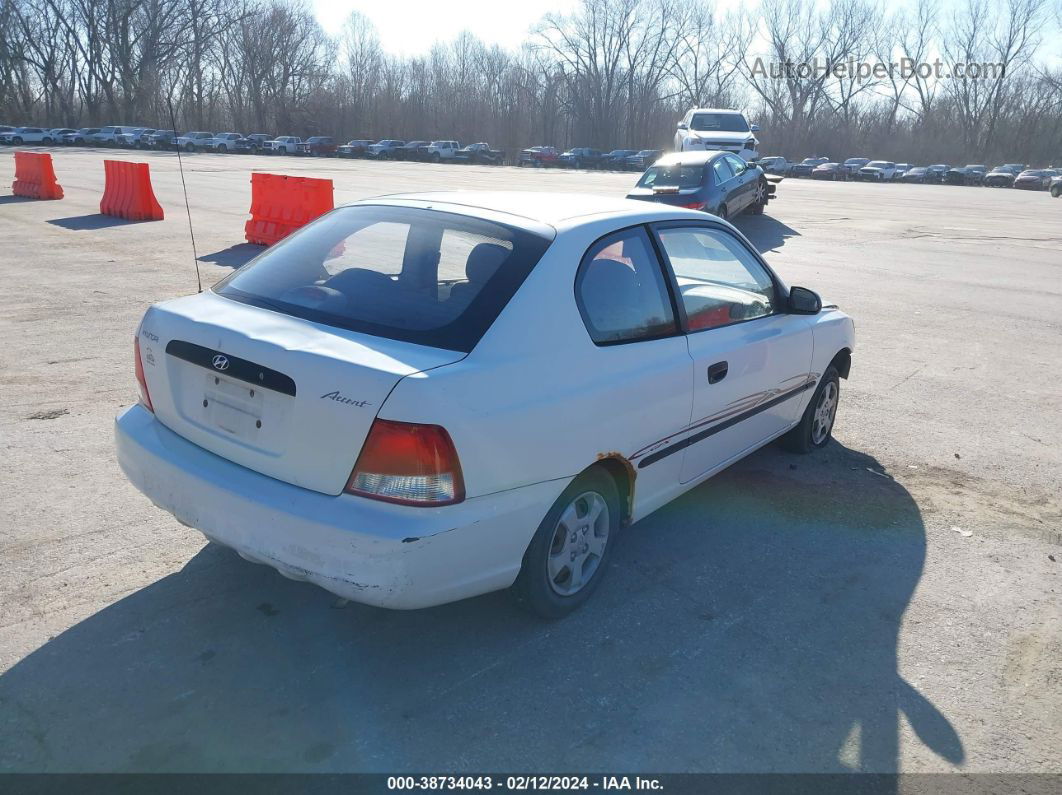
(221, 362)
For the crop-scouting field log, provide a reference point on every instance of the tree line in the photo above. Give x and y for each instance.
(615, 73)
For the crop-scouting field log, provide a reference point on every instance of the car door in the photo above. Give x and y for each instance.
(638, 385)
(745, 178)
(751, 360)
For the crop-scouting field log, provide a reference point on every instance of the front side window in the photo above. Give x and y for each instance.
(418, 275)
(621, 292)
(737, 164)
(722, 171)
(719, 280)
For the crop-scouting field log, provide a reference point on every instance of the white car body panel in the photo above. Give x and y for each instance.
(527, 412)
(29, 135)
(688, 140)
(444, 149)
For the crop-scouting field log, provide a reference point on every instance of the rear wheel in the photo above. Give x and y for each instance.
(722, 213)
(567, 556)
(816, 426)
(1056, 191)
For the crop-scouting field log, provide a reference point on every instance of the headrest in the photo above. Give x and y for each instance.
(484, 260)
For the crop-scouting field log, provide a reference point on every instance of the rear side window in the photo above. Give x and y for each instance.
(418, 275)
(621, 292)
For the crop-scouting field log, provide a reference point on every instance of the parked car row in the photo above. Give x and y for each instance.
(862, 168)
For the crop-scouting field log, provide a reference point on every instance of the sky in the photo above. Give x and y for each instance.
(410, 27)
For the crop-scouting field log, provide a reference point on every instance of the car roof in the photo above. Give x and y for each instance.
(715, 110)
(552, 209)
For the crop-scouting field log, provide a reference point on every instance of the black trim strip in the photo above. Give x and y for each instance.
(240, 369)
(682, 444)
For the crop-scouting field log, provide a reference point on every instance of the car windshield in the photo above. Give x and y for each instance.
(718, 122)
(676, 176)
(418, 275)
(855, 161)
(1032, 173)
(918, 170)
(879, 164)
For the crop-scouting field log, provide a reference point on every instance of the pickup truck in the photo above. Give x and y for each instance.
(442, 150)
(283, 145)
(480, 153)
(539, 157)
(582, 157)
(318, 146)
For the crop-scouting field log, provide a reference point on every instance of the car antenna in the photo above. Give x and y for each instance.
(184, 187)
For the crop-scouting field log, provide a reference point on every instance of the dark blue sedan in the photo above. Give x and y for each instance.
(720, 183)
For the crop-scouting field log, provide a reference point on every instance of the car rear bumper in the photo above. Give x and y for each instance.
(364, 550)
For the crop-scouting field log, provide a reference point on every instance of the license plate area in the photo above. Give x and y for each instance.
(235, 407)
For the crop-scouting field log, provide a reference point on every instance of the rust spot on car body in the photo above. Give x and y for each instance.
(632, 475)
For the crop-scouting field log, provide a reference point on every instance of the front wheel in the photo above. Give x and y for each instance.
(1056, 191)
(567, 556)
(816, 426)
(17, 139)
(759, 204)
(189, 147)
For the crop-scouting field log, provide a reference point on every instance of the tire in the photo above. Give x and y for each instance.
(809, 435)
(436, 157)
(758, 206)
(545, 584)
(1056, 191)
(17, 140)
(222, 148)
(722, 214)
(189, 147)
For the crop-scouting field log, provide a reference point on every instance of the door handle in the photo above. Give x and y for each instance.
(717, 372)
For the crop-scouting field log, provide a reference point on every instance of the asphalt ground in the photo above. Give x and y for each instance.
(888, 604)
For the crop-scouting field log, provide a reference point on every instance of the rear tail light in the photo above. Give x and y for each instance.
(694, 206)
(408, 463)
(145, 398)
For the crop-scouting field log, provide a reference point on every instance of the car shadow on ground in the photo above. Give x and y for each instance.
(765, 232)
(751, 625)
(11, 199)
(81, 223)
(234, 256)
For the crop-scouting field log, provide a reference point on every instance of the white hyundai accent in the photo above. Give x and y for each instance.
(422, 398)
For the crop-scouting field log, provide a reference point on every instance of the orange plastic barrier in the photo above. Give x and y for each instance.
(281, 204)
(127, 192)
(34, 177)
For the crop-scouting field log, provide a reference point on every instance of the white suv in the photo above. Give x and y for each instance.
(705, 129)
(108, 136)
(363, 406)
(442, 150)
(223, 142)
(27, 135)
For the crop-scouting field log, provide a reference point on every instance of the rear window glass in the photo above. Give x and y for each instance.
(672, 177)
(419, 275)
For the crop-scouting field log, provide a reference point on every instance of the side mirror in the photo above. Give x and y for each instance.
(803, 301)
(683, 126)
(754, 127)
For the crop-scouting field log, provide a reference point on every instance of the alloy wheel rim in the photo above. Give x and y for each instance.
(578, 544)
(825, 411)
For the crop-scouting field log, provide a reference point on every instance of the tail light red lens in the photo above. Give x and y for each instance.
(145, 398)
(694, 206)
(408, 463)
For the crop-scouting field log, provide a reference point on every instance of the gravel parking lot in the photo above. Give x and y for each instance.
(890, 604)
